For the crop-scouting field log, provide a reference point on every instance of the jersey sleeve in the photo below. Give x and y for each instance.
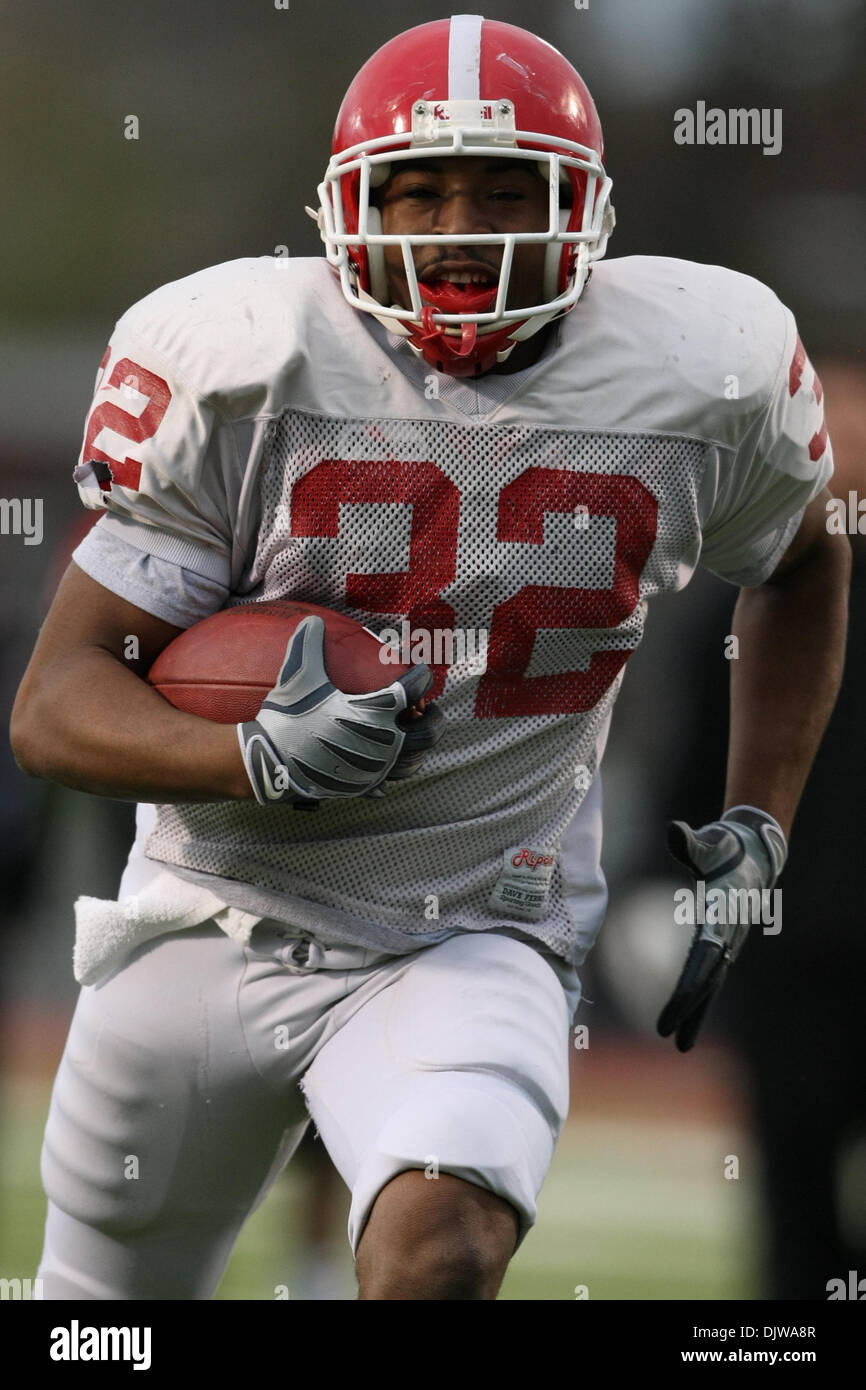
(159, 459)
(752, 502)
(174, 592)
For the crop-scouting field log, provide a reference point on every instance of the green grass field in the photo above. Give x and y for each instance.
(633, 1208)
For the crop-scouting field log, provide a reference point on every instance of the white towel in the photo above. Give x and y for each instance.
(106, 932)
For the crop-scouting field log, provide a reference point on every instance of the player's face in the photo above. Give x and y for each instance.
(468, 194)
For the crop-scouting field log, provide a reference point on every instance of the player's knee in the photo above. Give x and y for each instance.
(433, 1269)
(448, 1239)
(448, 1192)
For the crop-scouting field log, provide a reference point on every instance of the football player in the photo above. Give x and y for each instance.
(442, 426)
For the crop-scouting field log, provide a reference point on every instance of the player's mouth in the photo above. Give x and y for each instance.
(454, 287)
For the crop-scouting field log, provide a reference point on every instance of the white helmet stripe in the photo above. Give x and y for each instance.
(464, 57)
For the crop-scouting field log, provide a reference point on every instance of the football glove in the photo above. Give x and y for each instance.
(745, 849)
(311, 741)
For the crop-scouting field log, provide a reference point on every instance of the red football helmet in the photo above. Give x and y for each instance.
(466, 86)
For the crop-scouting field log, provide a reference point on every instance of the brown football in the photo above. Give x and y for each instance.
(223, 667)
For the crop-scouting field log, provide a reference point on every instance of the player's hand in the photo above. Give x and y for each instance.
(745, 849)
(311, 741)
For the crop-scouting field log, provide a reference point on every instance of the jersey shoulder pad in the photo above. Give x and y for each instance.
(721, 335)
(229, 329)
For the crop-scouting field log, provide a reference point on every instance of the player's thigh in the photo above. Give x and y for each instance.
(460, 1065)
(161, 1134)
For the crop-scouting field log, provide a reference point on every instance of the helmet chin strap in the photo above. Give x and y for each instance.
(468, 334)
(472, 357)
(468, 354)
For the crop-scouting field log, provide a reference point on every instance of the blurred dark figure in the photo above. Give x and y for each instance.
(799, 996)
(21, 799)
(19, 806)
(793, 1004)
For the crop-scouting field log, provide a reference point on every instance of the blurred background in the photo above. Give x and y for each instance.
(235, 103)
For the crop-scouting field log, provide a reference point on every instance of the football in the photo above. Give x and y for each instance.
(223, 667)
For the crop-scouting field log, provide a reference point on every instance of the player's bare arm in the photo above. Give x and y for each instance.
(791, 632)
(784, 683)
(86, 717)
(309, 740)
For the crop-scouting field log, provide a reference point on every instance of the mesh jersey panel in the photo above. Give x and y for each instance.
(548, 541)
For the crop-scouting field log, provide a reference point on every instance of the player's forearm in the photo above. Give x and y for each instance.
(97, 727)
(785, 681)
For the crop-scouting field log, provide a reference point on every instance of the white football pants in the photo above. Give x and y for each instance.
(191, 1073)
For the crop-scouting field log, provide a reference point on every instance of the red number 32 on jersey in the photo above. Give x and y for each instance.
(504, 690)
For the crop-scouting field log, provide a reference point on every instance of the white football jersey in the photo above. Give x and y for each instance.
(252, 428)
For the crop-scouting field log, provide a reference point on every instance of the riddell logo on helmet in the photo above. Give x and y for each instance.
(532, 859)
(442, 111)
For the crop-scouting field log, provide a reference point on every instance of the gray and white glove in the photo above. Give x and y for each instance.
(311, 741)
(745, 849)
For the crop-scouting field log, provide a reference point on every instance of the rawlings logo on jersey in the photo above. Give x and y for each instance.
(532, 859)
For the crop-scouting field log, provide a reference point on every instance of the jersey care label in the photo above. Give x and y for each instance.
(523, 885)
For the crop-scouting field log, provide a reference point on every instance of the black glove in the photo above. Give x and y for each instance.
(745, 849)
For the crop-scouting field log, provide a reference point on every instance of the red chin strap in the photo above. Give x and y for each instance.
(468, 355)
(469, 332)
